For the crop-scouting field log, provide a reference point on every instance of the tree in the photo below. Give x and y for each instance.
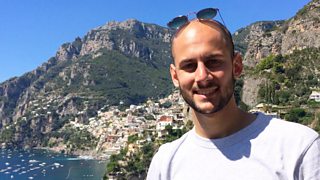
(238, 90)
(132, 138)
(283, 96)
(168, 128)
(278, 68)
(266, 63)
(295, 115)
(7, 134)
(113, 166)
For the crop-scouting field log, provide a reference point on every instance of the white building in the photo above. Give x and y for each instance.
(315, 95)
(162, 123)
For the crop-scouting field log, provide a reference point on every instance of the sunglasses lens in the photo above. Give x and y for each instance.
(208, 13)
(177, 22)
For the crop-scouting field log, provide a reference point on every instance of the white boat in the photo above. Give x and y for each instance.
(33, 161)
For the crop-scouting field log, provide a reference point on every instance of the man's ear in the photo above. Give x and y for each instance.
(174, 76)
(237, 65)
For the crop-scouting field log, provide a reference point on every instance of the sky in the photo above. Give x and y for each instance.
(31, 31)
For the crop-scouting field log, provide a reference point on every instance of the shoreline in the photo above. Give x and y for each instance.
(40, 162)
(81, 154)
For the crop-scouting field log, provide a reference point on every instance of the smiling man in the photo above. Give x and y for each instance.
(205, 70)
(226, 142)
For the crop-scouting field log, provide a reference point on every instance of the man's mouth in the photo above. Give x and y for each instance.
(206, 91)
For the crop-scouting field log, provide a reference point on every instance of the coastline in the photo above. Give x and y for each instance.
(81, 154)
(42, 163)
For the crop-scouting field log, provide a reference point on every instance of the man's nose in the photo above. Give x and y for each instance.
(201, 72)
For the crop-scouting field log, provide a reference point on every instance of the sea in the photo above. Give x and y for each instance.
(46, 165)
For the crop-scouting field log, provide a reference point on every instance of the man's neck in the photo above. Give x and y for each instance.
(223, 123)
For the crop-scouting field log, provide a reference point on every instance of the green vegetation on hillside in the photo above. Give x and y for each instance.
(290, 78)
(107, 79)
(74, 138)
(238, 94)
(290, 81)
(128, 164)
(117, 77)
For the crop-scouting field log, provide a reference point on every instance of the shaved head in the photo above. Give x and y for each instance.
(205, 65)
(196, 26)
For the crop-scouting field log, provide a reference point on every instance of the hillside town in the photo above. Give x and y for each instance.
(114, 126)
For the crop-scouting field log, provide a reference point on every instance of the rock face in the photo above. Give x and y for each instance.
(303, 30)
(251, 87)
(114, 36)
(262, 39)
(69, 51)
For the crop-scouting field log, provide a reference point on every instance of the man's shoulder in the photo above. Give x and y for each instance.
(283, 128)
(165, 153)
(171, 147)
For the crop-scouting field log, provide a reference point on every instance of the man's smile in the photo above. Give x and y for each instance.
(206, 91)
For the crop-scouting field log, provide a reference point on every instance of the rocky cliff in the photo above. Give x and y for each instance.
(262, 39)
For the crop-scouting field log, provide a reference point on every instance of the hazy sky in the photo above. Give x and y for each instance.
(31, 31)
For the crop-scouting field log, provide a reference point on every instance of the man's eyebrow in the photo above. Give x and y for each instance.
(210, 56)
(185, 61)
(216, 56)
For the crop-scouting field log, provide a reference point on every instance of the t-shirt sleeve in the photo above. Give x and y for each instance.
(310, 163)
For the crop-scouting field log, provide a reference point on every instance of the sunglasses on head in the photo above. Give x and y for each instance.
(204, 14)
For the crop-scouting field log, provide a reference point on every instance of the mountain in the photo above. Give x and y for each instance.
(120, 63)
(263, 39)
(123, 63)
(246, 38)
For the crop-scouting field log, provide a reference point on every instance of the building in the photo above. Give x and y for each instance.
(315, 95)
(162, 123)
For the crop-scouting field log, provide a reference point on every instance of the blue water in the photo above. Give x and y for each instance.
(45, 165)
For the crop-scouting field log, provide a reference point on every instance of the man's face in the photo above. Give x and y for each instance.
(203, 68)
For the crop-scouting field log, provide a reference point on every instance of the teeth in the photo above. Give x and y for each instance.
(206, 91)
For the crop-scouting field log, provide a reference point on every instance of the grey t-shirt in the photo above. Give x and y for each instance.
(268, 148)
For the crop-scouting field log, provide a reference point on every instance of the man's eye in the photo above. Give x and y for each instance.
(210, 64)
(190, 67)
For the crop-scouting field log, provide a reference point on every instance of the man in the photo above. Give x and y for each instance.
(226, 142)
